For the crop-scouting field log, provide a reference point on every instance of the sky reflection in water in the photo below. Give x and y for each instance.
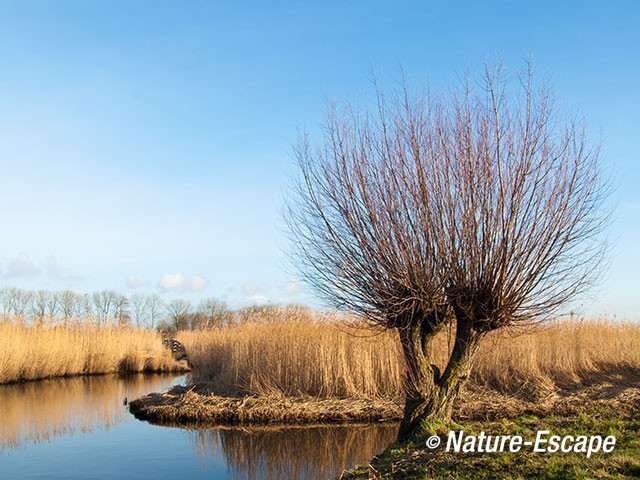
(78, 428)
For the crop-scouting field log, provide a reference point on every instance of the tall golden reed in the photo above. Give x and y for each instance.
(52, 349)
(297, 352)
(560, 354)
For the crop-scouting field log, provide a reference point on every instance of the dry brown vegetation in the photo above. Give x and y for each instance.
(298, 352)
(196, 406)
(60, 348)
(559, 355)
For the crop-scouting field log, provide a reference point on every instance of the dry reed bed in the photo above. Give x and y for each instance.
(53, 349)
(297, 352)
(560, 355)
(248, 373)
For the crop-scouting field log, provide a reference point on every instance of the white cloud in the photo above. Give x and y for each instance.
(171, 281)
(21, 266)
(252, 288)
(258, 299)
(54, 270)
(196, 284)
(134, 281)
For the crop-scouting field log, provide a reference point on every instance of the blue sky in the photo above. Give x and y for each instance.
(144, 145)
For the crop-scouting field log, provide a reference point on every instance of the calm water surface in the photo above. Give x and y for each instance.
(79, 428)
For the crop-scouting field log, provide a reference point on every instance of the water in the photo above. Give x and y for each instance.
(79, 428)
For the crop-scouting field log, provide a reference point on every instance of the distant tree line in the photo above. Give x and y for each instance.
(139, 310)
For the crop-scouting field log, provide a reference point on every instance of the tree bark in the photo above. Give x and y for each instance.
(430, 395)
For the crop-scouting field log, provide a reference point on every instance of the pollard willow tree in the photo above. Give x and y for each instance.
(480, 208)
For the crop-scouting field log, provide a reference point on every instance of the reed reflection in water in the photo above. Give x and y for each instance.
(39, 411)
(292, 452)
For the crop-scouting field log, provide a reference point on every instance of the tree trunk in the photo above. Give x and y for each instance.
(429, 394)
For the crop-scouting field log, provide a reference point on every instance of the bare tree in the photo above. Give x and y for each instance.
(178, 311)
(120, 309)
(139, 309)
(156, 309)
(44, 305)
(52, 305)
(215, 312)
(39, 309)
(84, 305)
(7, 299)
(38, 305)
(22, 302)
(479, 208)
(70, 303)
(103, 304)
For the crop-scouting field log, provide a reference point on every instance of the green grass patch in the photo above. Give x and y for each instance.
(413, 459)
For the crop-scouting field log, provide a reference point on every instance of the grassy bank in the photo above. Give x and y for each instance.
(412, 460)
(58, 348)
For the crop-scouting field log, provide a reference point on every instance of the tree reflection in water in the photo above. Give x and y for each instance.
(292, 452)
(40, 411)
